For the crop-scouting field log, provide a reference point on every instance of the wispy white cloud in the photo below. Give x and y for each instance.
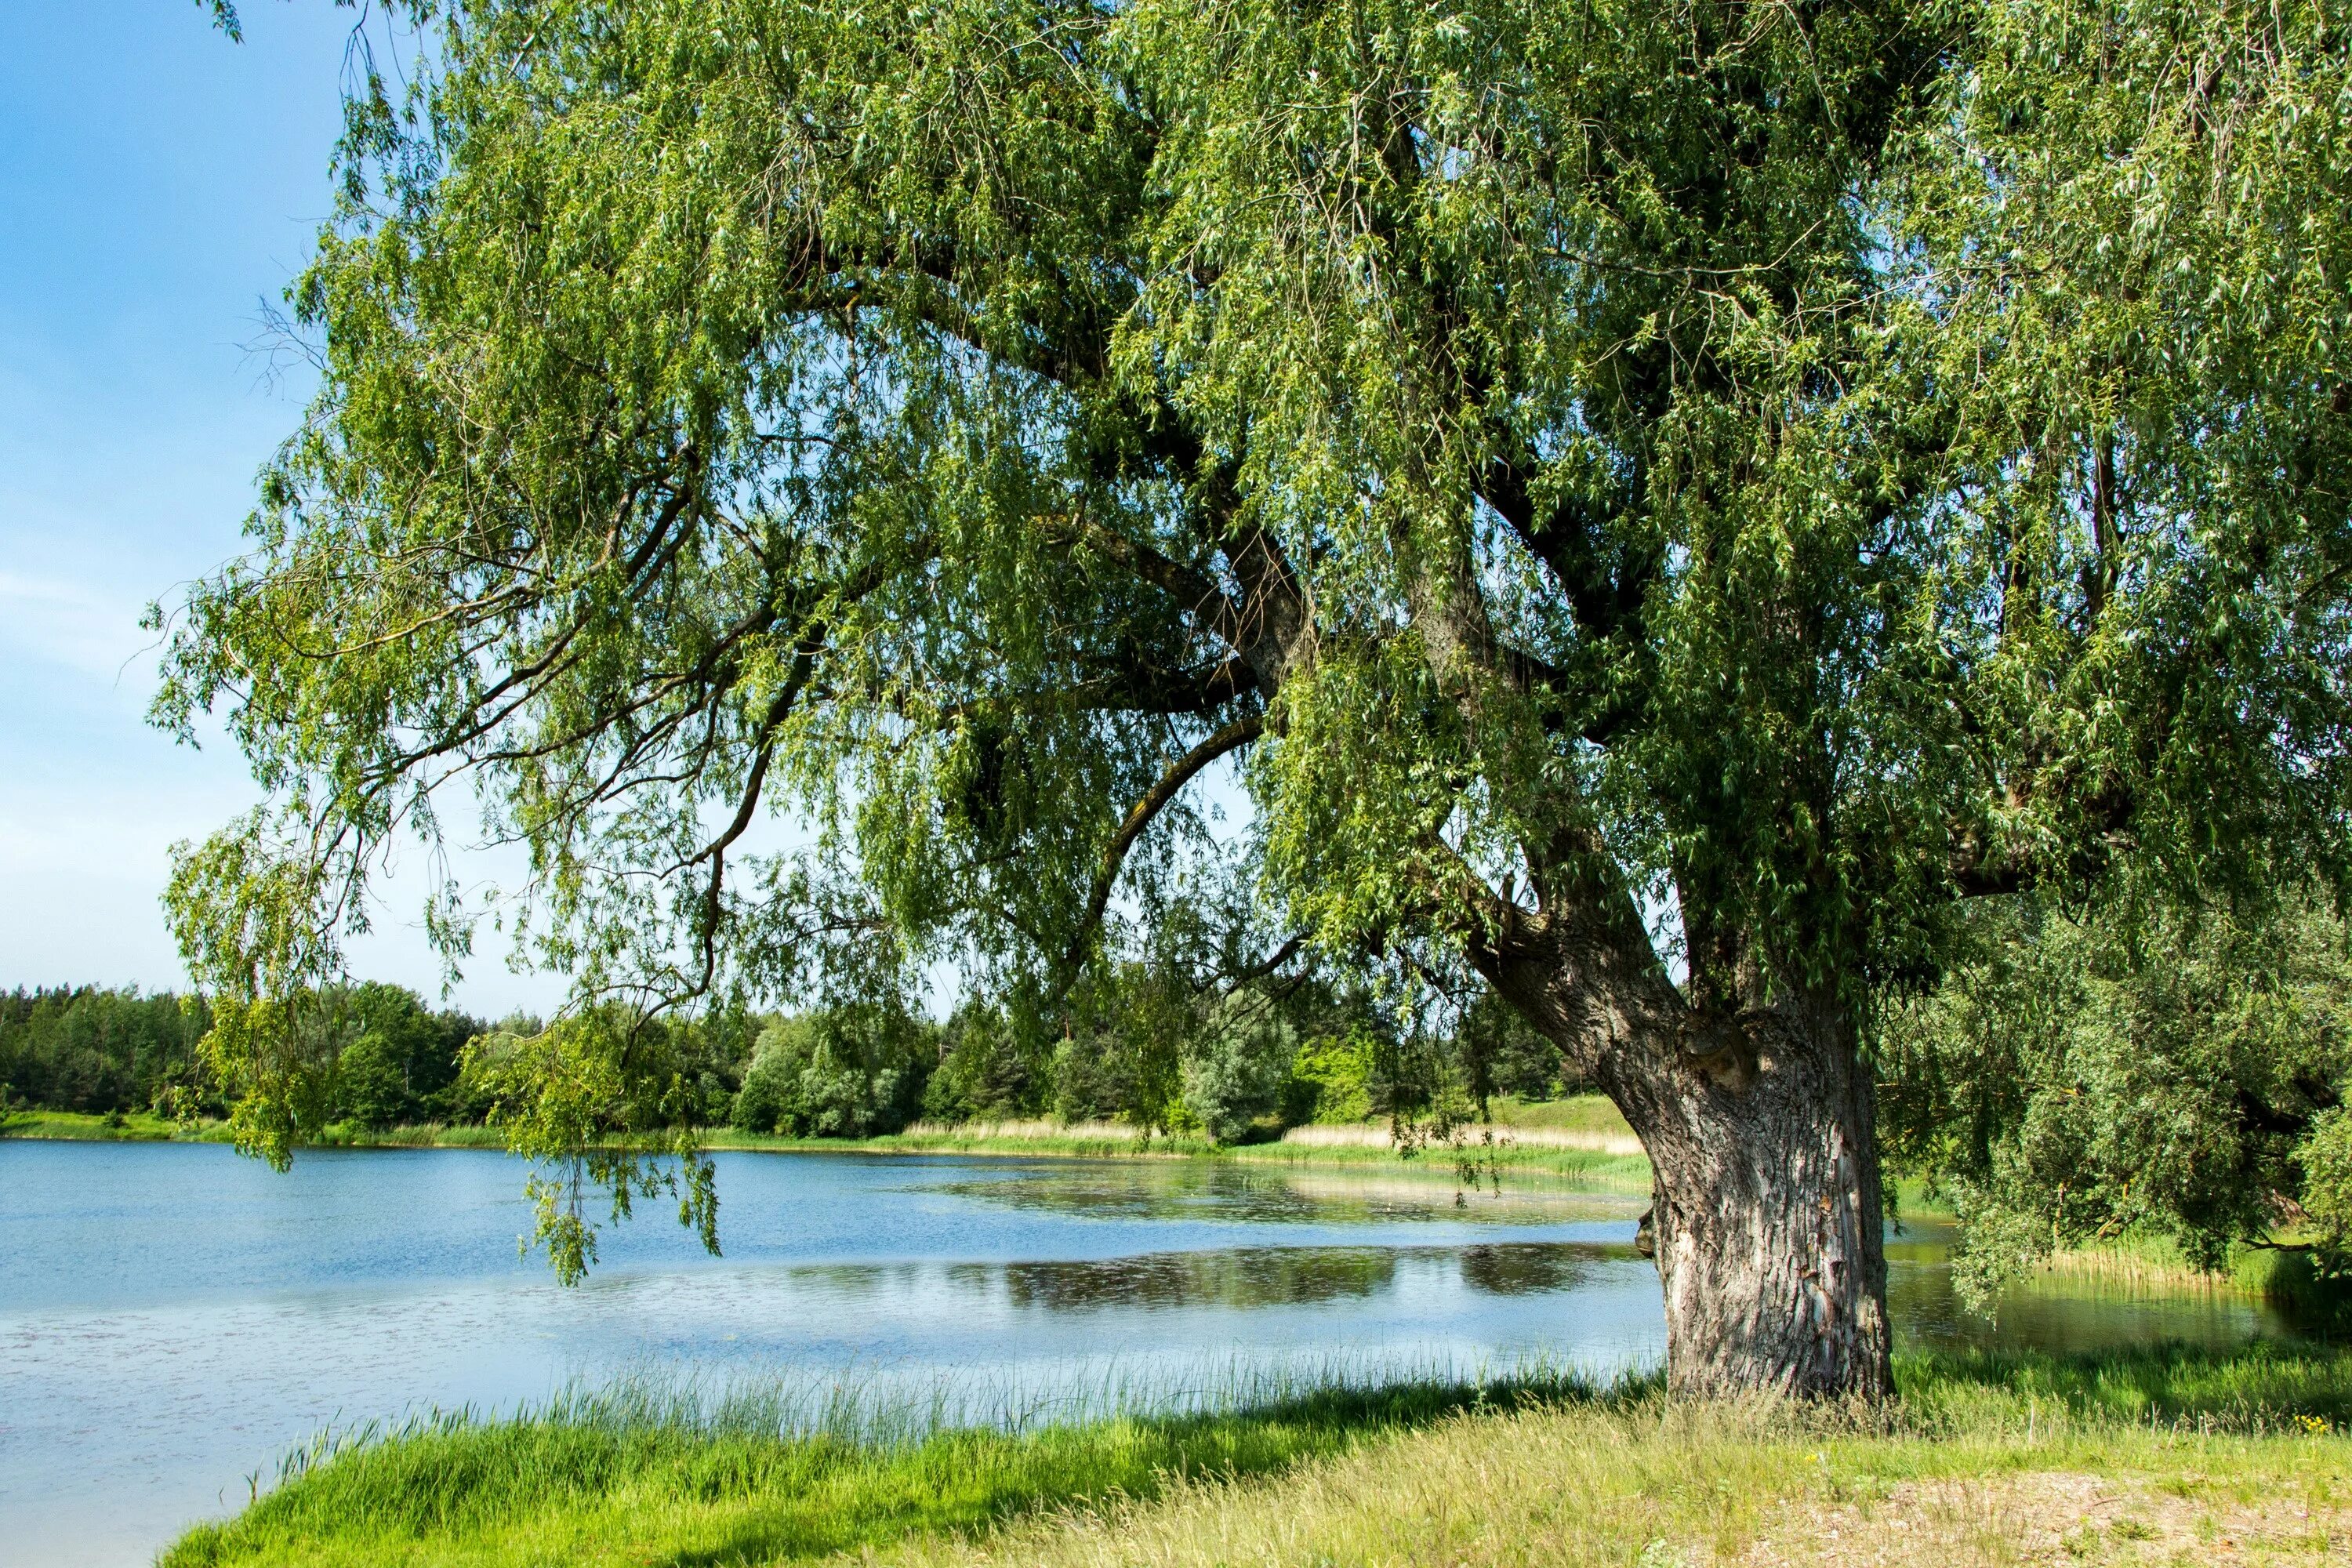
(70, 626)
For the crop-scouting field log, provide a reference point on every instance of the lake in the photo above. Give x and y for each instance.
(173, 1319)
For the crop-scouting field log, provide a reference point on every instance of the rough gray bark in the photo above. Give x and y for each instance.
(1760, 1129)
(1766, 1211)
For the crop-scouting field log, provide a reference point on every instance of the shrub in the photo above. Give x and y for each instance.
(844, 1072)
(1331, 1079)
(1238, 1067)
(771, 1083)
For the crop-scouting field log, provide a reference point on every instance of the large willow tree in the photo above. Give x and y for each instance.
(1662, 498)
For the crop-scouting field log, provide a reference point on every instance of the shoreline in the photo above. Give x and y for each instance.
(1517, 1152)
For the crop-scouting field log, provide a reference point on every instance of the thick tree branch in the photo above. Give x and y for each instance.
(1266, 965)
(1229, 739)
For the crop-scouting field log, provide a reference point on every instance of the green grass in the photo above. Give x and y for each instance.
(2263, 1389)
(1576, 1113)
(1988, 1463)
(432, 1135)
(1022, 1141)
(1438, 1472)
(138, 1126)
(642, 1475)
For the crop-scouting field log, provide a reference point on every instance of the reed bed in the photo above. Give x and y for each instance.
(1470, 1137)
(2285, 1279)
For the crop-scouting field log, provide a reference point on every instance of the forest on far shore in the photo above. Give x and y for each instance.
(1231, 1066)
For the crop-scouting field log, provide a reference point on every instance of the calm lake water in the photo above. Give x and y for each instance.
(173, 1319)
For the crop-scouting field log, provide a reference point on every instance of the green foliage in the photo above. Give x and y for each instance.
(2325, 1156)
(87, 1048)
(1239, 1066)
(578, 1100)
(1501, 1053)
(1334, 1075)
(986, 1069)
(224, 17)
(847, 1071)
(373, 1056)
(1130, 1027)
(1794, 468)
(2131, 1070)
(772, 1082)
(400, 1064)
(1171, 1047)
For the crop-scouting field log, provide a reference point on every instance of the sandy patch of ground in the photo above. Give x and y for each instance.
(2046, 1518)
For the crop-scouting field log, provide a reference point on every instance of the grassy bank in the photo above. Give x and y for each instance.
(1370, 1146)
(1580, 1146)
(142, 1127)
(2152, 1460)
(134, 1127)
(2150, 1457)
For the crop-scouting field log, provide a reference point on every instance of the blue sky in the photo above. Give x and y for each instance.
(157, 184)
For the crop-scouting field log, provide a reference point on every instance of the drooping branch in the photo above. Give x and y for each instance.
(1249, 973)
(780, 707)
(1229, 739)
(1603, 603)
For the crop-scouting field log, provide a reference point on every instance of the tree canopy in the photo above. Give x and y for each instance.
(2129, 1069)
(1665, 498)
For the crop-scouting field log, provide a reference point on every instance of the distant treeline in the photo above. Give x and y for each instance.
(1229, 1065)
(89, 1049)
(84, 1049)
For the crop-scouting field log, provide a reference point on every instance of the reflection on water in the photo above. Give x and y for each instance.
(1258, 1196)
(1277, 1275)
(2055, 1313)
(1524, 1268)
(2060, 1315)
(1240, 1276)
(173, 1318)
(1244, 1277)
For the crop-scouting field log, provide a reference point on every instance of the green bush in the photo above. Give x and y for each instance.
(843, 1072)
(1238, 1067)
(1331, 1079)
(2141, 1067)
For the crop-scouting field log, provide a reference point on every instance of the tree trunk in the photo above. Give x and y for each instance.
(1766, 1215)
(1762, 1137)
